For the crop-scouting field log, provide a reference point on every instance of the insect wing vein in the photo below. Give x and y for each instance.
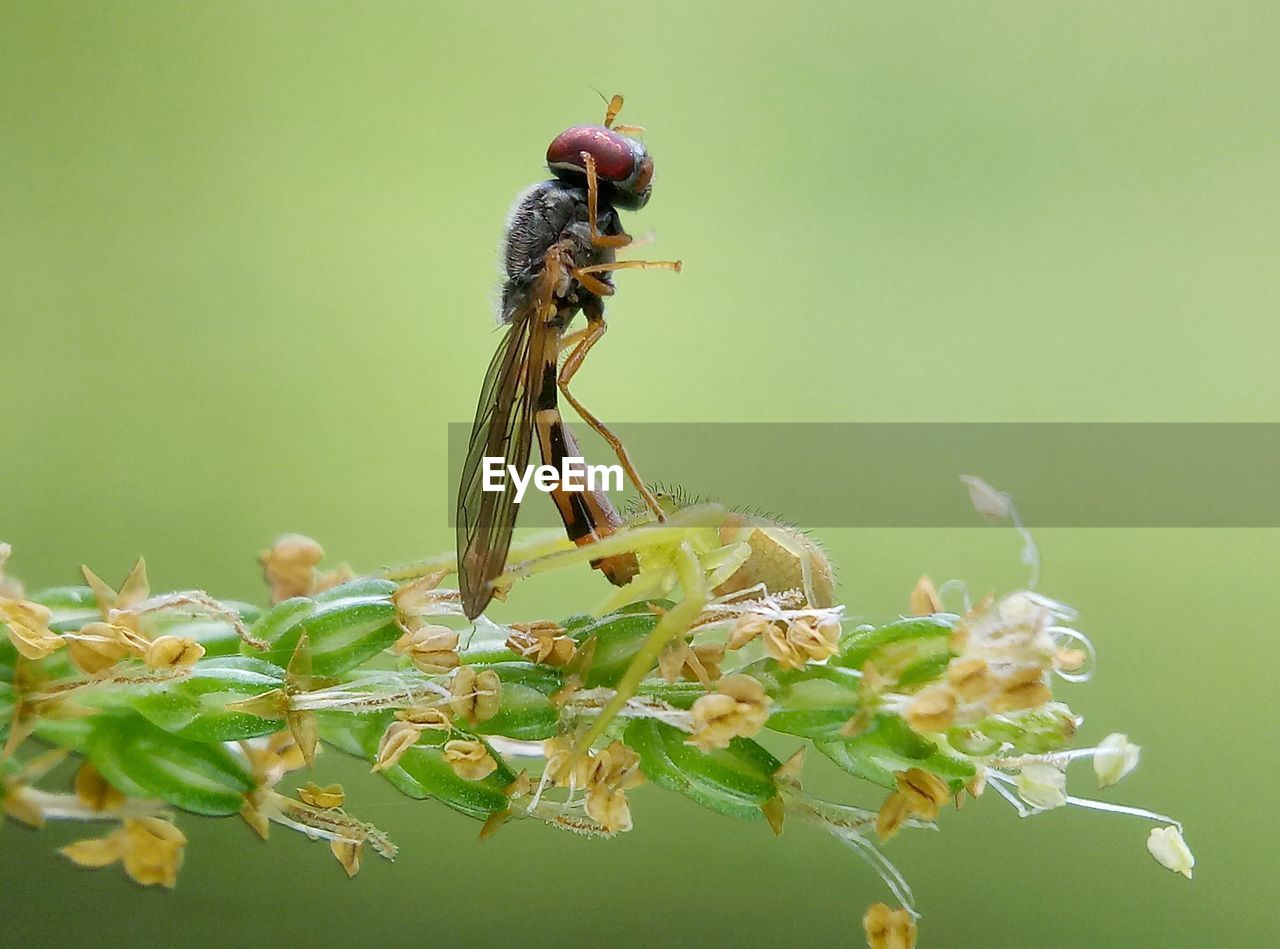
(503, 428)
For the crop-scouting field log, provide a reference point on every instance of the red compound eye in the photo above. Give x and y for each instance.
(617, 157)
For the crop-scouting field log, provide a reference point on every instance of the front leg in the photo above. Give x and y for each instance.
(593, 204)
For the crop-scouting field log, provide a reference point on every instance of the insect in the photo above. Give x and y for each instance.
(559, 253)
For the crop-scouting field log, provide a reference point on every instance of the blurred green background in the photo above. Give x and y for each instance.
(247, 256)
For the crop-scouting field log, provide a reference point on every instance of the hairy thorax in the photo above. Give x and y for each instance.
(552, 214)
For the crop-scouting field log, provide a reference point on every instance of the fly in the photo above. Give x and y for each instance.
(559, 254)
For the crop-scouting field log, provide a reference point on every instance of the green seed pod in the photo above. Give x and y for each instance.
(271, 625)
(618, 637)
(361, 586)
(70, 733)
(344, 632)
(681, 694)
(576, 622)
(812, 702)
(736, 781)
(971, 742)
(196, 707)
(859, 645)
(545, 679)
(889, 745)
(352, 732)
(927, 668)
(422, 772)
(527, 713)
(1034, 731)
(142, 760)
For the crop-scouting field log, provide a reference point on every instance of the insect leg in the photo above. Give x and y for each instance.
(569, 340)
(676, 265)
(593, 203)
(596, 327)
(588, 514)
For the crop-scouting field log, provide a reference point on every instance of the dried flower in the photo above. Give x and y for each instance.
(1170, 850)
(802, 640)
(290, 566)
(417, 599)
(557, 752)
(399, 737)
(780, 649)
(470, 759)
(347, 853)
(1116, 757)
(94, 792)
(970, 678)
(614, 766)
(608, 807)
(888, 929)
(96, 647)
(607, 774)
(818, 638)
(133, 591)
(150, 848)
(789, 771)
(426, 716)
(700, 662)
(892, 815)
(477, 696)
(273, 757)
(747, 627)
(316, 796)
(28, 625)
(173, 652)
(543, 642)
(738, 708)
(1013, 632)
(432, 649)
(933, 710)
(926, 791)
(919, 794)
(1024, 689)
(924, 600)
(977, 784)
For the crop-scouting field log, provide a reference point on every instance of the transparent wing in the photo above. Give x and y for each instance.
(502, 429)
